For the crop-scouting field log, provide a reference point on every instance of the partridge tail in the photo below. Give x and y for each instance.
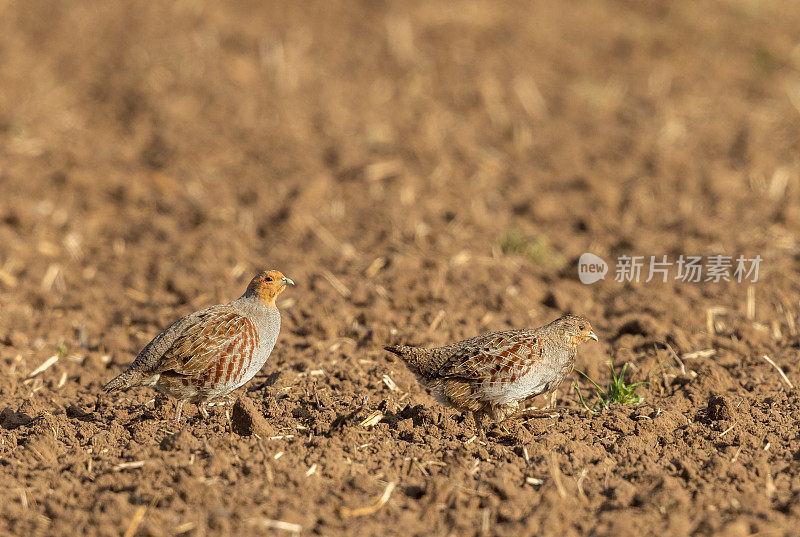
(414, 357)
(124, 380)
(399, 350)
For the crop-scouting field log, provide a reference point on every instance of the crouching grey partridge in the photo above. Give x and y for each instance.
(492, 373)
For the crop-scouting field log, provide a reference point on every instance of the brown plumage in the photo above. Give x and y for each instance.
(492, 373)
(207, 354)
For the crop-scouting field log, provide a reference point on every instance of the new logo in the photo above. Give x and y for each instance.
(591, 268)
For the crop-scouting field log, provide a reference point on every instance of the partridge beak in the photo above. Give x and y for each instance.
(593, 336)
(288, 281)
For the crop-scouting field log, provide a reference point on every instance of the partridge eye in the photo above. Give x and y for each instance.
(268, 279)
(581, 327)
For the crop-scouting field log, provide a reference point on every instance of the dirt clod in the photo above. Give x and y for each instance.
(719, 407)
(181, 440)
(10, 419)
(247, 419)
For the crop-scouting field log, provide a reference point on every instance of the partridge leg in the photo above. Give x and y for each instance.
(228, 407)
(502, 428)
(478, 419)
(202, 409)
(178, 412)
(542, 412)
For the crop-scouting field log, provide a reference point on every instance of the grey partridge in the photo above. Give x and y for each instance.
(492, 373)
(204, 356)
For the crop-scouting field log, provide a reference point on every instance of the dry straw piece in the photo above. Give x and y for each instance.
(556, 474)
(780, 371)
(370, 509)
(269, 523)
(390, 383)
(135, 521)
(372, 419)
(45, 366)
(705, 353)
(336, 283)
(129, 465)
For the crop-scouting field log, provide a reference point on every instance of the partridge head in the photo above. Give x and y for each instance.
(267, 285)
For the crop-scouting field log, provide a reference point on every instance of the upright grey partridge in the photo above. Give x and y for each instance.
(209, 353)
(492, 373)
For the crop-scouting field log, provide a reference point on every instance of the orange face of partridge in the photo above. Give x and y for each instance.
(267, 285)
(577, 329)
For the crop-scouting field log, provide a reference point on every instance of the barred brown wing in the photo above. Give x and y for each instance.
(504, 356)
(219, 344)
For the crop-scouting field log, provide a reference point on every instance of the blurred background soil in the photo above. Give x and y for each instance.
(425, 171)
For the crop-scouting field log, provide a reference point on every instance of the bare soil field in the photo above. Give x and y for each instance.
(424, 171)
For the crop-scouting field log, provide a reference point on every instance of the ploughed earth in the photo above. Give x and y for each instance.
(424, 172)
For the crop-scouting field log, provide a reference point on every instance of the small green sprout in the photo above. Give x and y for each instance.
(534, 247)
(617, 393)
(764, 62)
